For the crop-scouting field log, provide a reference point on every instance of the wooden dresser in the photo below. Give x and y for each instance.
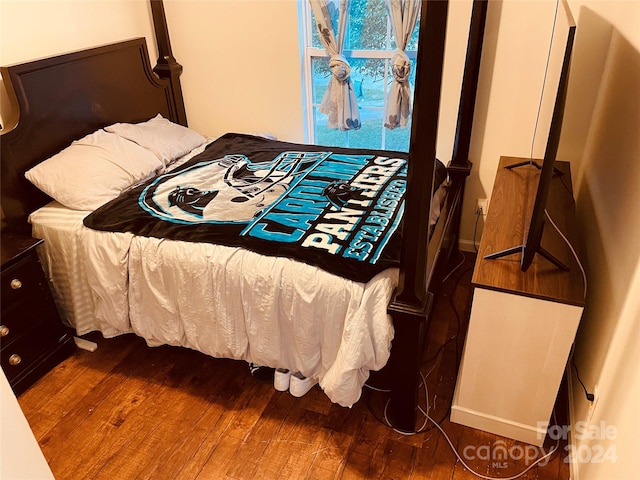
(522, 324)
(33, 339)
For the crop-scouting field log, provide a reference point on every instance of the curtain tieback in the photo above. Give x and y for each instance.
(400, 66)
(340, 67)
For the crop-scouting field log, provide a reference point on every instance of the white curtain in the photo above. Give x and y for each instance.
(339, 101)
(404, 16)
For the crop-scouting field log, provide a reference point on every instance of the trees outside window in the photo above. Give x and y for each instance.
(369, 46)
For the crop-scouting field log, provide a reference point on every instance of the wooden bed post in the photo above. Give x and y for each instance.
(412, 301)
(460, 166)
(469, 85)
(167, 66)
(409, 305)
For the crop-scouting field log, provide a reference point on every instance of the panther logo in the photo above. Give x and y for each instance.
(228, 190)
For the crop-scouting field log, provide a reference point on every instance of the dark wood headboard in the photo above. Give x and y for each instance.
(63, 98)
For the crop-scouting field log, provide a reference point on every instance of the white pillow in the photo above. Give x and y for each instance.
(167, 140)
(93, 170)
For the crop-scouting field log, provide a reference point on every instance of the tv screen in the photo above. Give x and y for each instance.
(556, 74)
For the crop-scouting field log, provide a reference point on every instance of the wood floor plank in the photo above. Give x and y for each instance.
(206, 439)
(71, 380)
(331, 455)
(222, 459)
(356, 466)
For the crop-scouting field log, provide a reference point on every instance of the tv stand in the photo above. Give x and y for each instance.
(522, 324)
(541, 251)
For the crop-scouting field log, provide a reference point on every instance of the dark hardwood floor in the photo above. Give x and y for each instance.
(128, 411)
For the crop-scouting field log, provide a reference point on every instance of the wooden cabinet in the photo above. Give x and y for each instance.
(33, 339)
(522, 324)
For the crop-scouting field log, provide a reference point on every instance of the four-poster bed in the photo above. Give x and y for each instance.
(64, 98)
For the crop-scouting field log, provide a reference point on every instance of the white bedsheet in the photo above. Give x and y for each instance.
(222, 301)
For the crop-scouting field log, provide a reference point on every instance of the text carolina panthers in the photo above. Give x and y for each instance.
(347, 205)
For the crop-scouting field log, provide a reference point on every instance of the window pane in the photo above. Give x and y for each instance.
(369, 86)
(371, 72)
(320, 77)
(324, 135)
(370, 133)
(368, 28)
(398, 138)
(413, 41)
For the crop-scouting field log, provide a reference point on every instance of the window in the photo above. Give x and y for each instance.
(369, 46)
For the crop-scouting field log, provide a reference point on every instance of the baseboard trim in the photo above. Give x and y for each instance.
(467, 246)
(500, 426)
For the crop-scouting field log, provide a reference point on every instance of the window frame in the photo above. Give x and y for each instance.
(309, 52)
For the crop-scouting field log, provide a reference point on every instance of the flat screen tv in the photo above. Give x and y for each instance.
(561, 47)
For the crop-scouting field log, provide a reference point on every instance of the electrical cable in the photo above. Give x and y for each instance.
(487, 477)
(475, 229)
(454, 268)
(453, 448)
(440, 348)
(590, 396)
(544, 81)
(375, 389)
(573, 251)
(451, 296)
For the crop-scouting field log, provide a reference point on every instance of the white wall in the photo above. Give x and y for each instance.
(241, 65)
(20, 454)
(602, 142)
(32, 29)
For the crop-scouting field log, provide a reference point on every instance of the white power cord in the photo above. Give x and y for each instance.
(453, 448)
(566, 240)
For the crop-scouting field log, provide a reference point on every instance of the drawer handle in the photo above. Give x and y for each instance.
(16, 284)
(14, 359)
(4, 330)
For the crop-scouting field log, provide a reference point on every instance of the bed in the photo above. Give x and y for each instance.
(226, 299)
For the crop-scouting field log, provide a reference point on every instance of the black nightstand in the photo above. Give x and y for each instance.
(33, 339)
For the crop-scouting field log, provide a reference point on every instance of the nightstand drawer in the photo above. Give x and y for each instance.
(21, 356)
(22, 282)
(20, 318)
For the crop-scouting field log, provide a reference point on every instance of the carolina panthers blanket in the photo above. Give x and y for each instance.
(334, 208)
